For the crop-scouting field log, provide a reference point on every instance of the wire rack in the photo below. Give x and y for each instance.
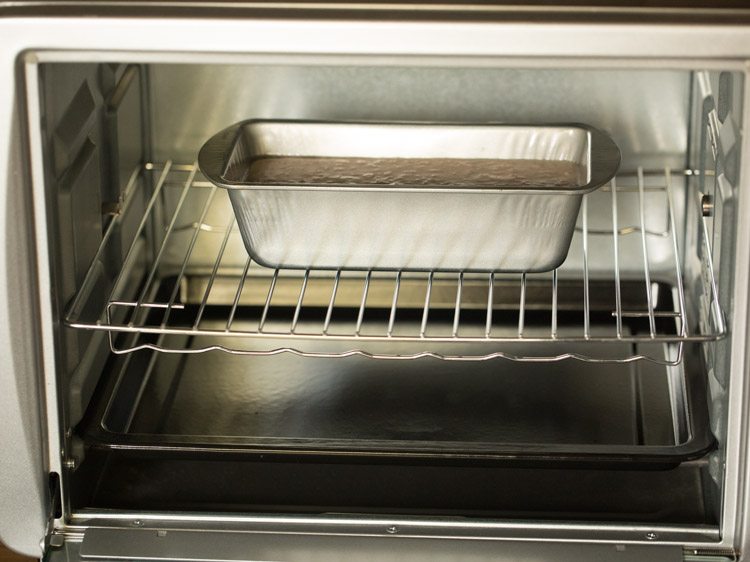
(171, 273)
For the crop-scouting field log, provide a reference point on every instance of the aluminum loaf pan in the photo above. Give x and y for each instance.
(408, 196)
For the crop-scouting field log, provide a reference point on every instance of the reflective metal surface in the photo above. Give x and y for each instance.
(195, 272)
(645, 110)
(380, 221)
(150, 544)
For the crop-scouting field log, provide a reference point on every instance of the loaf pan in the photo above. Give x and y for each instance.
(408, 196)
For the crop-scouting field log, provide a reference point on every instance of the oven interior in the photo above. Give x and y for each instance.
(192, 379)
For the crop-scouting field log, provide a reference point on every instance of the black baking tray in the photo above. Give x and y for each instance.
(420, 411)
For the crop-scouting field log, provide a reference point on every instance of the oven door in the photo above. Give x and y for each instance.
(182, 545)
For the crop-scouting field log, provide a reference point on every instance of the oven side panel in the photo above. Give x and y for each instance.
(24, 474)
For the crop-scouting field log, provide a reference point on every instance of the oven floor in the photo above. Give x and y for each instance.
(287, 434)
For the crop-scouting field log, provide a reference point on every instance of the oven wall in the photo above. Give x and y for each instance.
(645, 111)
(715, 153)
(93, 129)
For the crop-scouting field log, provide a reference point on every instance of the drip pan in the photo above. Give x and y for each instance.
(629, 415)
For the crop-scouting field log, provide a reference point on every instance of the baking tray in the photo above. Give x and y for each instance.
(630, 415)
(408, 196)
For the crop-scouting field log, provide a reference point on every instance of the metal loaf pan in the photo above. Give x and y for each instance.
(408, 196)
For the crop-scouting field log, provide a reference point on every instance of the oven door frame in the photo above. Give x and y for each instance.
(35, 33)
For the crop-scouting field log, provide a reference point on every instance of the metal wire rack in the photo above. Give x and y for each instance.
(171, 270)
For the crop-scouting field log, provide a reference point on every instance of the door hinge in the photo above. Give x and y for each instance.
(52, 539)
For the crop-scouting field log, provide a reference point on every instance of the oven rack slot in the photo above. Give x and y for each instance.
(181, 273)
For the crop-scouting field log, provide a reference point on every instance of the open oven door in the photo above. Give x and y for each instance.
(163, 544)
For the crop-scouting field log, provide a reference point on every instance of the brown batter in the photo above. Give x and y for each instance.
(449, 172)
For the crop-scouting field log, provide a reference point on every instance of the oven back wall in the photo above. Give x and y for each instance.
(645, 111)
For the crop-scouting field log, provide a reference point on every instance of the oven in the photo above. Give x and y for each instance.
(168, 393)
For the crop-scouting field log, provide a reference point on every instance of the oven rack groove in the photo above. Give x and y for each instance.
(181, 272)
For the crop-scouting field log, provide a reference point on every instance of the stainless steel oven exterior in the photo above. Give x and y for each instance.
(32, 439)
